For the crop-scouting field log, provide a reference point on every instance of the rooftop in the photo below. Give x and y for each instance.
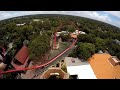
(104, 66)
(21, 58)
(54, 71)
(82, 69)
(72, 61)
(73, 35)
(22, 55)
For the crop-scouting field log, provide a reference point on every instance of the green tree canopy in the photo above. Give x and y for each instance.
(65, 37)
(85, 50)
(89, 38)
(100, 44)
(39, 46)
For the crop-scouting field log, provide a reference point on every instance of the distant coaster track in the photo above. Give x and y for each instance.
(39, 66)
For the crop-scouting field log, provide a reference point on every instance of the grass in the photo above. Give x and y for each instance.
(63, 46)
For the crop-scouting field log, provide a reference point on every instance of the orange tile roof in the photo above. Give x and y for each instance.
(102, 68)
(73, 35)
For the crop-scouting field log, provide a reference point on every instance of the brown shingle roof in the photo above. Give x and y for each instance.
(103, 68)
(22, 55)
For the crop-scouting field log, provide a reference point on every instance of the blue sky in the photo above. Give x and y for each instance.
(111, 17)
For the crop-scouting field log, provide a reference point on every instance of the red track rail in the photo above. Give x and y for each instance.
(39, 66)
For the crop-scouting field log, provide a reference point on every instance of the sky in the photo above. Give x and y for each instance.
(111, 17)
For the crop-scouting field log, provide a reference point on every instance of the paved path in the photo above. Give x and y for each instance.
(10, 45)
(40, 71)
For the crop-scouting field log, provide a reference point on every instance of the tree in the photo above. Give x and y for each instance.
(10, 27)
(72, 55)
(100, 44)
(65, 37)
(88, 38)
(26, 42)
(46, 24)
(49, 33)
(39, 46)
(64, 28)
(114, 49)
(71, 28)
(54, 23)
(85, 50)
(2, 33)
(26, 30)
(118, 55)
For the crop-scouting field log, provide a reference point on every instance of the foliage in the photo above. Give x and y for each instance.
(65, 37)
(64, 68)
(99, 43)
(85, 50)
(39, 46)
(89, 38)
(73, 54)
(71, 28)
(98, 33)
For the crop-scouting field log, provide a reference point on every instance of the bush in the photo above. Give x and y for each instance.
(64, 68)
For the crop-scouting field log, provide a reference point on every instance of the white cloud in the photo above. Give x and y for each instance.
(94, 15)
(116, 23)
(89, 14)
(114, 13)
(7, 14)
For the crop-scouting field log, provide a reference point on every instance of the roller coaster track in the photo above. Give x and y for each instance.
(39, 66)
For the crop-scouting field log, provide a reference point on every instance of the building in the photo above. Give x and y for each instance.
(117, 41)
(74, 36)
(81, 32)
(58, 34)
(62, 32)
(54, 73)
(21, 58)
(20, 24)
(78, 69)
(76, 33)
(36, 20)
(105, 66)
(100, 52)
(65, 32)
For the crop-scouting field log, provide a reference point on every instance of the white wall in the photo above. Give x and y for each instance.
(83, 71)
